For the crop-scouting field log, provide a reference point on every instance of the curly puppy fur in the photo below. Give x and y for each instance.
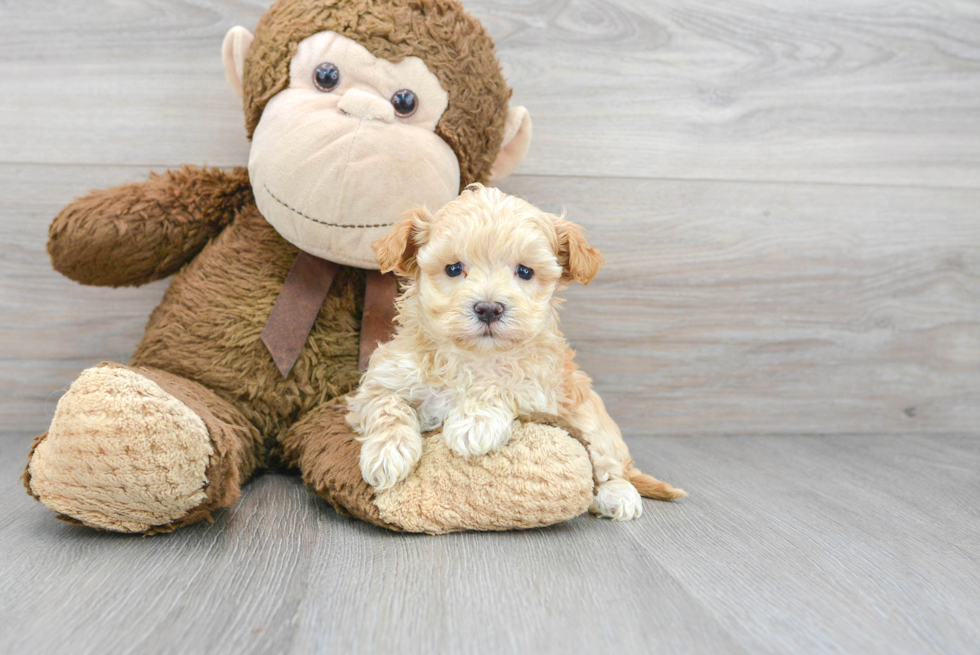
(447, 366)
(453, 44)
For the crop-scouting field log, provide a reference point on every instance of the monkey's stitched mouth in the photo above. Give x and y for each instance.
(317, 220)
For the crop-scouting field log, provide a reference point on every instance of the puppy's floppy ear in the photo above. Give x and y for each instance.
(396, 250)
(579, 261)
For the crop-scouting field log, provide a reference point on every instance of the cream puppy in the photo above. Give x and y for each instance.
(478, 344)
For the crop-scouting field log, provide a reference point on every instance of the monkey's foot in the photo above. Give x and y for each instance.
(121, 454)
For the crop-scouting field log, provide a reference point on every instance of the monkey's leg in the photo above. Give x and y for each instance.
(542, 476)
(141, 450)
(324, 449)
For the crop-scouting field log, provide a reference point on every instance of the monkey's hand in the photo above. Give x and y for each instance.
(137, 233)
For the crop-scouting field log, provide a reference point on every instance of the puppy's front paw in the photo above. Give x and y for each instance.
(477, 434)
(386, 460)
(618, 500)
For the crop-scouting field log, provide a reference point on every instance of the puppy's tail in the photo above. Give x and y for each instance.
(651, 487)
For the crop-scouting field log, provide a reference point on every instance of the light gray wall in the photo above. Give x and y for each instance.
(786, 193)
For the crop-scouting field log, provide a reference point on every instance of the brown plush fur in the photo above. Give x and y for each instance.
(209, 324)
(145, 231)
(326, 451)
(453, 44)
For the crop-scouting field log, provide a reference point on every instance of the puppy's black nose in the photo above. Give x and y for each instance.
(488, 312)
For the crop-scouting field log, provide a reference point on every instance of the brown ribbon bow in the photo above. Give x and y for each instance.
(299, 303)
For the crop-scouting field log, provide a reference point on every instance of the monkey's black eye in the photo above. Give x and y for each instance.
(405, 102)
(524, 272)
(454, 270)
(326, 77)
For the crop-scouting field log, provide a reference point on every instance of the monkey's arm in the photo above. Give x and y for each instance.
(137, 233)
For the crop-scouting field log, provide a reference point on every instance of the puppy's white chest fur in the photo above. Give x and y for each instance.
(506, 393)
(435, 404)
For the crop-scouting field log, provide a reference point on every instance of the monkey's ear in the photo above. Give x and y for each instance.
(396, 250)
(579, 261)
(233, 51)
(517, 139)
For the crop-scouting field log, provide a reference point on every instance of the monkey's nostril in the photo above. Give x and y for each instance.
(487, 311)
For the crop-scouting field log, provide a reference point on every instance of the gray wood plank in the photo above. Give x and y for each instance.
(772, 308)
(786, 544)
(52, 328)
(823, 91)
(282, 573)
(731, 308)
(870, 543)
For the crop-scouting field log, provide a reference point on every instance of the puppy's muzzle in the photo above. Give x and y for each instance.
(488, 312)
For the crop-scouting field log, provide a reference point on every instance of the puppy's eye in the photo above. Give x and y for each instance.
(524, 272)
(326, 77)
(454, 270)
(405, 102)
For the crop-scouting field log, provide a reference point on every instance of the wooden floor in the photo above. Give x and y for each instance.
(858, 544)
(788, 326)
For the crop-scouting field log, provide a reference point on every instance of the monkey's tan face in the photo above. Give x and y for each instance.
(348, 147)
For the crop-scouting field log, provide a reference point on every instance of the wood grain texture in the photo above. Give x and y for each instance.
(823, 91)
(768, 308)
(786, 544)
(734, 308)
(787, 198)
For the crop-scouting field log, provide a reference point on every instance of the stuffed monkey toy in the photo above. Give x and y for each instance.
(356, 111)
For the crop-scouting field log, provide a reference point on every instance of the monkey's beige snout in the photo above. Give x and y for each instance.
(361, 104)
